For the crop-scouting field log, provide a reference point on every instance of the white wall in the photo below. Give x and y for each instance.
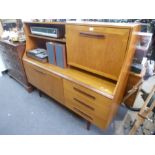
(2, 67)
(1, 29)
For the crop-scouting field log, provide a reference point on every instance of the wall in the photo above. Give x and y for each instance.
(1, 29)
(2, 66)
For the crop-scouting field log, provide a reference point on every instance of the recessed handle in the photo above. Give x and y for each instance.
(84, 93)
(39, 72)
(84, 104)
(82, 113)
(93, 35)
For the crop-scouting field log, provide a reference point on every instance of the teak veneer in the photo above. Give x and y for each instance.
(98, 57)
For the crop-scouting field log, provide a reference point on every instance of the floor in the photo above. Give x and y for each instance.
(28, 114)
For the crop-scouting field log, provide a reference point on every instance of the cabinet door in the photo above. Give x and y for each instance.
(50, 84)
(100, 50)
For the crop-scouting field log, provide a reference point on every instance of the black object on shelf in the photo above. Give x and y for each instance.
(136, 68)
(38, 54)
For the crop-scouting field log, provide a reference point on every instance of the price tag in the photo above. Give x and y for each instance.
(91, 29)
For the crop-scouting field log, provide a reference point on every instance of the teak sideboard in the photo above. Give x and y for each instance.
(99, 56)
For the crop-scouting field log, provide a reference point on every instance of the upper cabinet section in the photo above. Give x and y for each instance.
(46, 31)
(98, 49)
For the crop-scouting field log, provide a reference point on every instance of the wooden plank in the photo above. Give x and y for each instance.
(48, 38)
(97, 84)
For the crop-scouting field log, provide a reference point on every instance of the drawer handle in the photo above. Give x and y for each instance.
(77, 100)
(39, 71)
(82, 113)
(93, 35)
(82, 92)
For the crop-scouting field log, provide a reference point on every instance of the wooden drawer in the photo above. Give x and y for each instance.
(100, 122)
(90, 105)
(91, 108)
(86, 94)
(49, 83)
(100, 50)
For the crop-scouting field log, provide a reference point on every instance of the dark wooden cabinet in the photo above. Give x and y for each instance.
(12, 54)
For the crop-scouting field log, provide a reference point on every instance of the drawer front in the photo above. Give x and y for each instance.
(87, 103)
(86, 94)
(97, 49)
(84, 104)
(101, 123)
(49, 83)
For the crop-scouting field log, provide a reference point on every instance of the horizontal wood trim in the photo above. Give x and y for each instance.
(93, 71)
(84, 93)
(81, 102)
(68, 74)
(82, 113)
(48, 38)
(103, 24)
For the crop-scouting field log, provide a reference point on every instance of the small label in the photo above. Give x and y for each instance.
(91, 29)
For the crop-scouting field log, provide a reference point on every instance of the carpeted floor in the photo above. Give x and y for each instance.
(26, 113)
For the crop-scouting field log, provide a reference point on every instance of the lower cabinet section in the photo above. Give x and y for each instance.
(49, 83)
(88, 104)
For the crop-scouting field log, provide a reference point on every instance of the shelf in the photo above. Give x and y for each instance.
(48, 38)
(99, 85)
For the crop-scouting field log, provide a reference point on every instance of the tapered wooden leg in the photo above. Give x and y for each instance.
(29, 88)
(10, 76)
(40, 93)
(88, 125)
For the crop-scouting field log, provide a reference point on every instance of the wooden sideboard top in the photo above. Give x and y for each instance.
(107, 24)
(100, 85)
(15, 44)
(54, 23)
